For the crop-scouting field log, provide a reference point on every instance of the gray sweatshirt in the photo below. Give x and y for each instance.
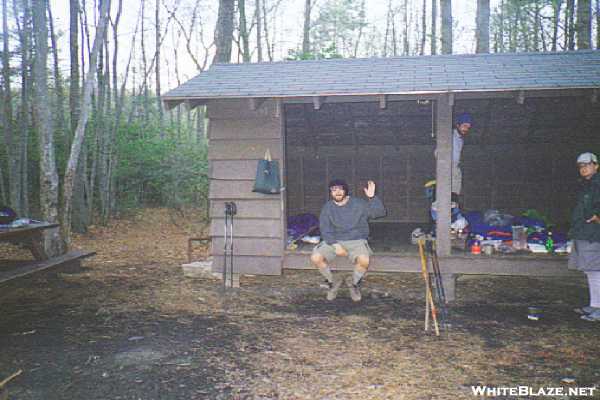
(350, 221)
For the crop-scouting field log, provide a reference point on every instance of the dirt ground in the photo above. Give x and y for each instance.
(129, 325)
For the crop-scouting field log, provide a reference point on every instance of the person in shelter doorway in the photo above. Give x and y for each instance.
(585, 232)
(344, 231)
(461, 129)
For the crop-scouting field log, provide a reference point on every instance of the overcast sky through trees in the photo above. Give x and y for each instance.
(287, 25)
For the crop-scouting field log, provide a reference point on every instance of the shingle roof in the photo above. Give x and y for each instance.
(397, 75)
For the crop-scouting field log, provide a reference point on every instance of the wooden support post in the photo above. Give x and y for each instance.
(255, 103)
(278, 108)
(521, 97)
(382, 101)
(318, 102)
(443, 173)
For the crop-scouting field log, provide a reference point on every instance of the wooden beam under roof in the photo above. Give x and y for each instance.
(193, 103)
(171, 104)
(256, 102)
(318, 102)
(382, 101)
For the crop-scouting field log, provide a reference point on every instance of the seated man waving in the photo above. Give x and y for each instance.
(344, 231)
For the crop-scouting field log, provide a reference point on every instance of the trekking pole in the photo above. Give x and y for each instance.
(230, 211)
(439, 284)
(225, 247)
(429, 304)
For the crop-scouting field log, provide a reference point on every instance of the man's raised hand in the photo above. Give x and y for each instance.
(370, 189)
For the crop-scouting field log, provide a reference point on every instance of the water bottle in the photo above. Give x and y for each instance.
(549, 243)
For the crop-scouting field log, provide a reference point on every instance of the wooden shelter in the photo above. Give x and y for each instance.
(381, 119)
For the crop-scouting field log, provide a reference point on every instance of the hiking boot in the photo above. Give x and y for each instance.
(354, 289)
(593, 316)
(586, 310)
(333, 289)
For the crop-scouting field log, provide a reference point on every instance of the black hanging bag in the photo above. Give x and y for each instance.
(267, 176)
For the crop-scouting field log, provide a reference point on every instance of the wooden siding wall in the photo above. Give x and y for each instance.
(238, 138)
(522, 156)
(357, 142)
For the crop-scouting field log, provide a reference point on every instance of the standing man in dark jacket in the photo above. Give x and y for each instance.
(344, 231)
(585, 232)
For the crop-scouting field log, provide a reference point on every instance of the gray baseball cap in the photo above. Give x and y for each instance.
(586, 158)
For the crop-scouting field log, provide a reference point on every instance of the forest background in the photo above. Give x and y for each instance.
(85, 136)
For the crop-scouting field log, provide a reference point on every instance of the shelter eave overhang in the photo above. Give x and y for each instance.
(519, 92)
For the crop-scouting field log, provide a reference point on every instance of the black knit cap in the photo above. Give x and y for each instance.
(340, 182)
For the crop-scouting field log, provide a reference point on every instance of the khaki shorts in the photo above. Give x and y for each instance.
(354, 248)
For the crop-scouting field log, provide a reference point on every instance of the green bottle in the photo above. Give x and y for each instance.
(550, 243)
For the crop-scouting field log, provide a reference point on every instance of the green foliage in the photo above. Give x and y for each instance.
(327, 53)
(337, 29)
(153, 171)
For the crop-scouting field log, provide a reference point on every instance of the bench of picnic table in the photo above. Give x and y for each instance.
(31, 237)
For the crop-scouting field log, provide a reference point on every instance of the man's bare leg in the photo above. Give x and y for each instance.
(319, 261)
(360, 269)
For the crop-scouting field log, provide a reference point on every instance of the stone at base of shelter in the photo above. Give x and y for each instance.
(200, 269)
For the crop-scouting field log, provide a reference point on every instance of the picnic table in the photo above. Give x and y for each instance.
(31, 237)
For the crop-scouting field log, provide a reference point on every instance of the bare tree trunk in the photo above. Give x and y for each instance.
(79, 133)
(584, 24)
(499, 45)
(146, 101)
(58, 85)
(394, 38)
(556, 5)
(7, 99)
(537, 32)
(306, 28)
(224, 32)
(18, 167)
(446, 6)
(388, 19)
(570, 25)
(101, 135)
(259, 50)
(157, 70)
(81, 215)
(423, 28)
(598, 24)
(543, 35)
(266, 31)
(363, 22)
(405, 45)
(244, 31)
(74, 54)
(483, 26)
(48, 173)
(434, 8)
(514, 31)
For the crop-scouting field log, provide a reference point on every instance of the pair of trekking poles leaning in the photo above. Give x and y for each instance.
(435, 297)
